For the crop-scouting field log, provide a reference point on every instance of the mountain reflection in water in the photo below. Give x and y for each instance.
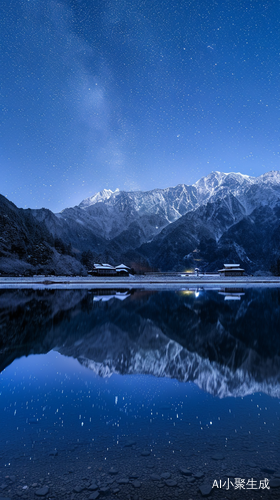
(108, 400)
(228, 347)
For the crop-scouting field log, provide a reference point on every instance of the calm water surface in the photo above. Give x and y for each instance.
(138, 394)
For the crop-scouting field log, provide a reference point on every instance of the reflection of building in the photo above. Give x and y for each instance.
(232, 293)
(108, 270)
(105, 295)
(231, 270)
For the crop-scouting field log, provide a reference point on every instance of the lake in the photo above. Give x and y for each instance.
(140, 394)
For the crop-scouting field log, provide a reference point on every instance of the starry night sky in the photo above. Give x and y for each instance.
(134, 94)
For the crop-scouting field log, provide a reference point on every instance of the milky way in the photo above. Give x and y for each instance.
(134, 94)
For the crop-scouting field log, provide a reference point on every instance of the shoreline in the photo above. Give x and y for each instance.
(137, 282)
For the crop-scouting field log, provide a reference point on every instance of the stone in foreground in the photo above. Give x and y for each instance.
(205, 490)
(42, 492)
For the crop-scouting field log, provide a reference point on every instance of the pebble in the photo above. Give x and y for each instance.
(230, 474)
(155, 477)
(53, 453)
(42, 492)
(5, 498)
(123, 480)
(128, 444)
(268, 471)
(218, 456)
(185, 471)
(252, 464)
(116, 490)
(274, 483)
(171, 482)
(165, 475)
(94, 495)
(136, 484)
(78, 489)
(199, 475)
(145, 453)
(93, 487)
(205, 490)
(113, 471)
(190, 480)
(104, 490)
(133, 475)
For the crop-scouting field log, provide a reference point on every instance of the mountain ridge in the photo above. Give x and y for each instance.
(106, 194)
(186, 226)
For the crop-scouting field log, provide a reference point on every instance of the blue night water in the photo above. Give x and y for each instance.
(156, 395)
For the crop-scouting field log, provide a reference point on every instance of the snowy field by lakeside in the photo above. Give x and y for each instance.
(147, 281)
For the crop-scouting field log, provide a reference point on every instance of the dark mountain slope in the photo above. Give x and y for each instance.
(192, 240)
(27, 247)
(72, 229)
(256, 238)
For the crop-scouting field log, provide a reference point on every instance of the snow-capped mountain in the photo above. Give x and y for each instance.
(187, 226)
(118, 211)
(113, 212)
(223, 216)
(103, 195)
(174, 202)
(170, 202)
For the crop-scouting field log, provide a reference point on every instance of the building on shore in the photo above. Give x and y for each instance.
(231, 270)
(103, 270)
(123, 270)
(108, 270)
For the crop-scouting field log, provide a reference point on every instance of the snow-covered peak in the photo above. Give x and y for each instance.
(241, 178)
(272, 177)
(216, 179)
(103, 195)
(205, 188)
(112, 212)
(188, 197)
